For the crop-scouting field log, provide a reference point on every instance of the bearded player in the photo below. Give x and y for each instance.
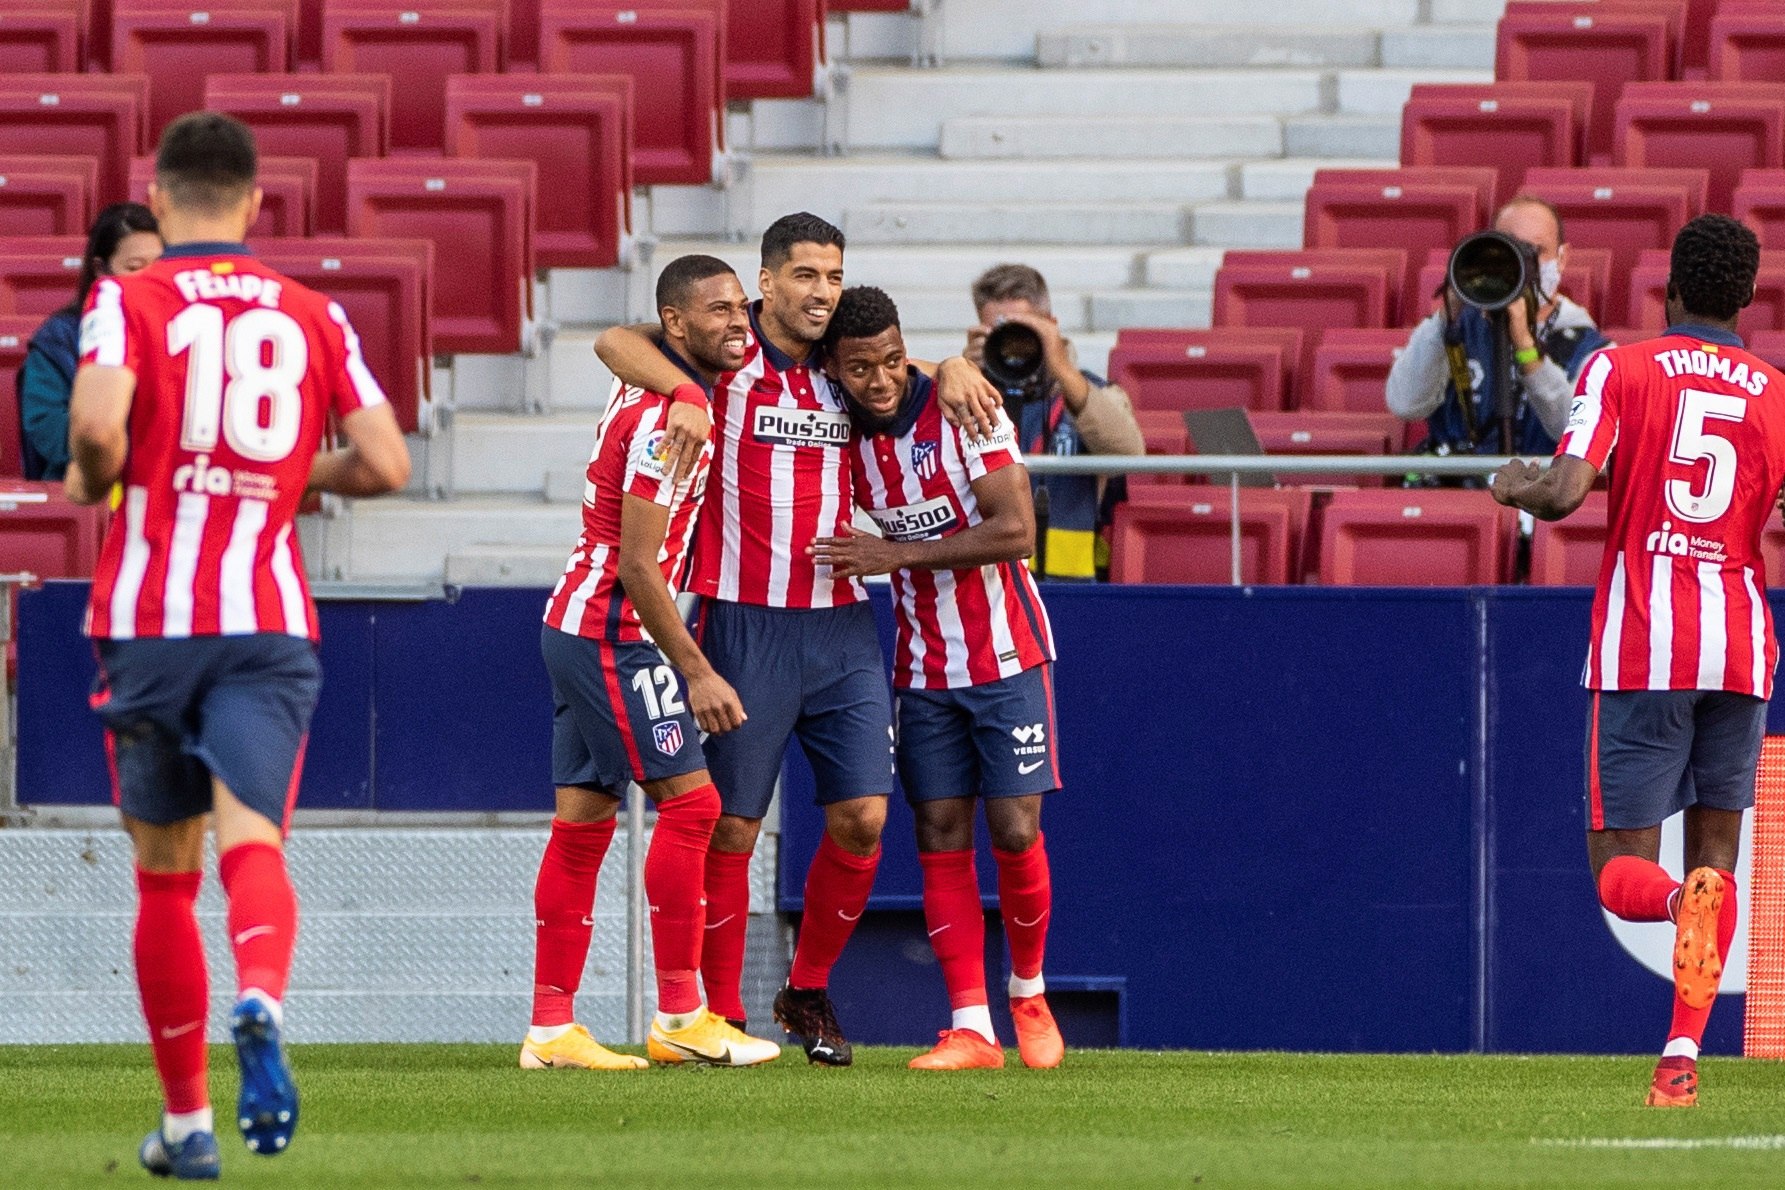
(205, 386)
(796, 640)
(631, 690)
(972, 668)
(1682, 654)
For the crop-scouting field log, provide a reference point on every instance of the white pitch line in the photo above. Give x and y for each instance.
(1663, 1142)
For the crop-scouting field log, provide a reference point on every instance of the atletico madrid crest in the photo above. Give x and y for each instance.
(923, 458)
(669, 738)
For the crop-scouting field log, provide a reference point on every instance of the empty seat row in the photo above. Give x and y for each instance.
(1255, 368)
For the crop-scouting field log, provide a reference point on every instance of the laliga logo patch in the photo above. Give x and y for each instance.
(669, 738)
(924, 457)
(1651, 943)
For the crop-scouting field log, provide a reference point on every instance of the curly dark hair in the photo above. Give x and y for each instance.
(862, 312)
(1712, 270)
(802, 227)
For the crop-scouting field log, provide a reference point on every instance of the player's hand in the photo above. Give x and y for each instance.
(1519, 318)
(716, 706)
(855, 555)
(968, 399)
(685, 432)
(1513, 477)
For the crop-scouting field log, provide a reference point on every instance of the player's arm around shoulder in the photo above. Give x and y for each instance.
(633, 355)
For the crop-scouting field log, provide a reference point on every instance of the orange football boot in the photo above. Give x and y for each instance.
(1697, 965)
(961, 1049)
(1675, 1083)
(1038, 1039)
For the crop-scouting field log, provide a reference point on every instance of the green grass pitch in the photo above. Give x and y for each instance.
(464, 1115)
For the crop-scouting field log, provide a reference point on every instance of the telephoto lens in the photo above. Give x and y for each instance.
(1014, 359)
(1490, 269)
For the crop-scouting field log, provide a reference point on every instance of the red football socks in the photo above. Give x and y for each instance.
(1026, 898)
(1689, 1021)
(1636, 889)
(837, 888)
(953, 915)
(563, 911)
(263, 916)
(728, 920)
(175, 988)
(675, 887)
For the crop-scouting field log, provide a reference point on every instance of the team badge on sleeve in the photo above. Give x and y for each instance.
(668, 737)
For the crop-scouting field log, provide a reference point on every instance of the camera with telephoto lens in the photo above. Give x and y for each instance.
(1016, 362)
(1491, 270)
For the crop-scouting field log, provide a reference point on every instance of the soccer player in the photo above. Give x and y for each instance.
(1682, 651)
(796, 641)
(615, 644)
(972, 668)
(205, 384)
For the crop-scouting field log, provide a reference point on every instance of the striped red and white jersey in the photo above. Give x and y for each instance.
(782, 442)
(1694, 428)
(955, 627)
(237, 370)
(589, 600)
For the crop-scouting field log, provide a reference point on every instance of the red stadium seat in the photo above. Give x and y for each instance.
(1759, 201)
(1722, 127)
(674, 57)
(176, 49)
(1306, 432)
(1480, 178)
(1183, 534)
(328, 117)
(1404, 214)
(1162, 431)
(1236, 368)
(385, 287)
(1747, 43)
(1567, 553)
(1769, 346)
(1648, 292)
(479, 216)
(43, 532)
(1351, 366)
(39, 40)
(38, 274)
(419, 46)
(1313, 289)
(577, 129)
(771, 48)
(1578, 92)
(288, 194)
(47, 196)
(77, 115)
(1420, 538)
(1444, 125)
(1604, 45)
(15, 337)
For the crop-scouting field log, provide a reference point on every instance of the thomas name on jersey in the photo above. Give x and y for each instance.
(1709, 362)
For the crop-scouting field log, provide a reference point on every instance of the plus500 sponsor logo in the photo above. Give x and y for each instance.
(801, 427)
(915, 522)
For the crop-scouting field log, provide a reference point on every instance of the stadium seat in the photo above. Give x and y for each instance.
(1759, 201)
(1769, 346)
(577, 129)
(47, 196)
(1648, 293)
(288, 194)
(1722, 127)
(329, 117)
(46, 534)
(479, 216)
(1162, 431)
(37, 40)
(1183, 534)
(771, 49)
(1513, 129)
(1747, 43)
(1318, 432)
(1567, 553)
(15, 337)
(1413, 538)
(1402, 212)
(385, 286)
(1351, 366)
(1236, 368)
(674, 57)
(419, 46)
(1311, 289)
(38, 274)
(1606, 46)
(177, 48)
(77, 115)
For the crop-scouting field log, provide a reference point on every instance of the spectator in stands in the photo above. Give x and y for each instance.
(1420, 383)
(122, 240)
(1077, 413)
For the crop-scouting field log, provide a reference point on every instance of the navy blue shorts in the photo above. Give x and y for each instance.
(1652, 753)
(994, 740)
(179, 712)
(620, 713)
(817, 673)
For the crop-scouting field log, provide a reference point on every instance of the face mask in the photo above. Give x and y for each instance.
(1549, 278)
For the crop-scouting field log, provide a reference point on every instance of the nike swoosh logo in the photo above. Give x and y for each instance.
(1026, 924)
(252, 932)
(722, 1058)
(1026, 769)
(169, 1034)
(713, 925)
(846, 917)
(939, 929)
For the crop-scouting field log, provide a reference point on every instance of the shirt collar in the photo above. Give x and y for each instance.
(693, 373)
(206, 248)
(780, 359)
(918, 389)
(1709, 334)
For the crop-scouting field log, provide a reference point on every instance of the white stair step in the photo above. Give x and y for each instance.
(496, 453)
(1114, 309)
(506, 565)
(1207, 46)
(1018, 222)
(408, 541)
(870, 36)
(1183, 268)
(1249, 224)
(1440, 47)
(1467, 11)
(1009, 29)
(1040, 137)
(906, 108)
(950, 310)
(1342, 136)
(1288, 180)
(1384, 92)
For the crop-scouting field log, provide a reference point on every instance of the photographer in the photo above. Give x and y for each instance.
(1546, 359)
(1059, 409)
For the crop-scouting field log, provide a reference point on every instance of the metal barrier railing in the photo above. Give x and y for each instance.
(1234, 466)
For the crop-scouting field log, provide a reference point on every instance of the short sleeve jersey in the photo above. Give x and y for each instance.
(1694, 430)
(589, 600)
(956, 628)
(782, 443)
(237, 371)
